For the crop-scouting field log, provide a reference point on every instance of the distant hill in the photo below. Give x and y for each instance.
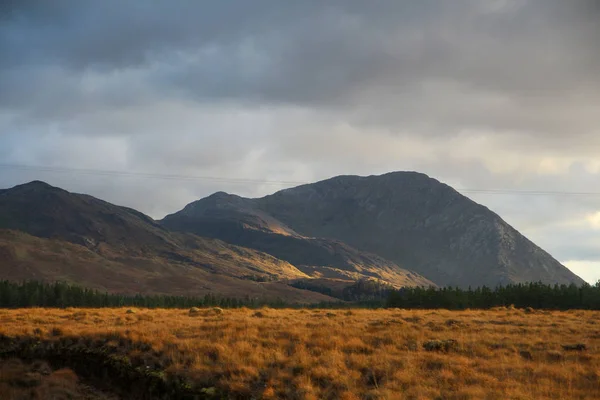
(408, 218)
(48, 233)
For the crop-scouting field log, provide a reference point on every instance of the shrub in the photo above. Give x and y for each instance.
(526, 354)
(56, 332)
(440, 345)
(555, 356)
(28, 380)
(574, 347)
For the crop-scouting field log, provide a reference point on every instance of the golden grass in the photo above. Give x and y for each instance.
(350, 354)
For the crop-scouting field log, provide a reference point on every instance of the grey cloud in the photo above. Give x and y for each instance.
(338, 57)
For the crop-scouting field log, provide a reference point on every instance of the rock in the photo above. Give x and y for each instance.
(217, 310)
(194, 312)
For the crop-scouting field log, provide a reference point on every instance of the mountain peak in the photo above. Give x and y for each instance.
(216, 200)
(34, 190)
(223, 196)
(412, 176)
(43, 210)
(38, 185)
(387, 175)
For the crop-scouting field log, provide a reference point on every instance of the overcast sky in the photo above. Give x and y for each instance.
(480, 94)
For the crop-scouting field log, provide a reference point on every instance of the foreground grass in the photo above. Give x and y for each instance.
(38, 381)
(357, 354)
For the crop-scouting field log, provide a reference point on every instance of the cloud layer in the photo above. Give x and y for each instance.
(500, 94)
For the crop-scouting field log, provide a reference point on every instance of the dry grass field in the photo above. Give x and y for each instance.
(328, 354)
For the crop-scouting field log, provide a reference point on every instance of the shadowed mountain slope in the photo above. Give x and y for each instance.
(236, 220)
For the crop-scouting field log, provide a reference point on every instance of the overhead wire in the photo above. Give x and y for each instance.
(180, 177)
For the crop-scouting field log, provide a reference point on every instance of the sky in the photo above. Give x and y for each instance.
(182, 99)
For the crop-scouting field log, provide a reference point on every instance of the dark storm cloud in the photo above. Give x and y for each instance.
(120, 33)
(433, 66)
(208, 48)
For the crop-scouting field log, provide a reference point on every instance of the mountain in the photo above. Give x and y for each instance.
(48, 233)
(236, 220)
(406, 217)
(399, 229)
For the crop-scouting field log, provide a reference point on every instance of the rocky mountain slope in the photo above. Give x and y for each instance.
(406, 217)
(236, 220)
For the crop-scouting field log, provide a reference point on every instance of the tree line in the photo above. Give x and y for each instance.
(60, 294)
(534, 295)
(362, 294)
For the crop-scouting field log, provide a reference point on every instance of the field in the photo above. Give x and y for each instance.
(503, 353)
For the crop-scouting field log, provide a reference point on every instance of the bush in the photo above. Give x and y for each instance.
(440, 345)
(555, 356)
(56, 332)
(574, 347)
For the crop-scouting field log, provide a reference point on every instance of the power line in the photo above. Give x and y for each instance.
(66, 170)
(144, 174)
(528, 192)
